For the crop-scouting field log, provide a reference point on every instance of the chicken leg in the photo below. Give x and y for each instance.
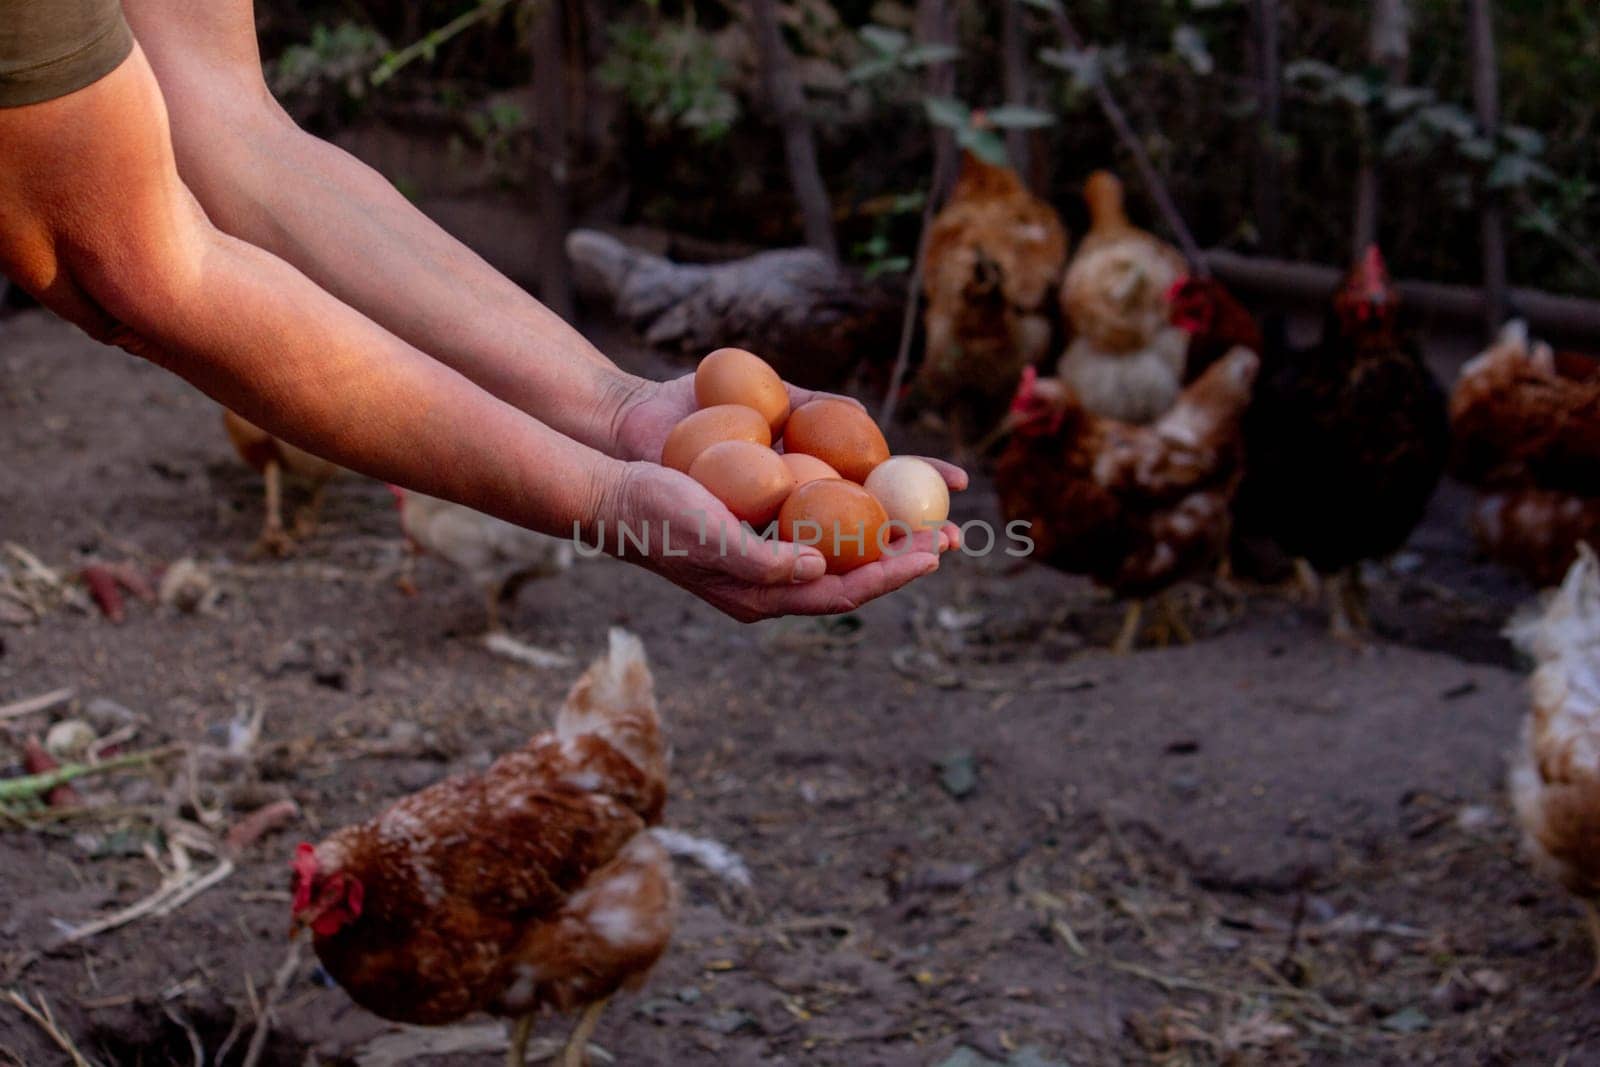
(1591, 915)
(310, 514)
(1128, 637)
(576, 1054)
(1171, 623)
(274, 540)
(517, 1053)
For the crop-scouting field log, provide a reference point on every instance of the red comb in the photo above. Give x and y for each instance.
(1372, 261)
(1176, 289)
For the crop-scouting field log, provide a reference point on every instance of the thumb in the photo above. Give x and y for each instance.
(748, 558)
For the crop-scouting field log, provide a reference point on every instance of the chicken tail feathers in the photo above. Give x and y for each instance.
(1566, 625)
(616, 700)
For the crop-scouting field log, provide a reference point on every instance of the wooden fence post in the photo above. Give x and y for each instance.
(1389, 48)
(936, 25)
(1486, 98)
(1269, 83)
(789, 108)
(551, 165)
(1014, 73)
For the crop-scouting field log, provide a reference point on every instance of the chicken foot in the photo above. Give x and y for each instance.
(1348, 620)
(1170, 623)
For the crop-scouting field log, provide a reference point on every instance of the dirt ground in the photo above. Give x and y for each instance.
(976, 837)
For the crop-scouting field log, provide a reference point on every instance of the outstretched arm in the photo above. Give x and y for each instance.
(262, 179)
(95, 222)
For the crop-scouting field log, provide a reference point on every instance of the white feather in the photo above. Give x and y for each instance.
(714, 856)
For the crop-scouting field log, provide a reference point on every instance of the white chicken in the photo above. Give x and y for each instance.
(1555, 772)
(1126, 360)
(500, 557)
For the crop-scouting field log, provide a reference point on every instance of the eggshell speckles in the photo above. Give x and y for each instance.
(843, 521)
(734, 376)
(750, 479)
(838, 433)
(709, 426)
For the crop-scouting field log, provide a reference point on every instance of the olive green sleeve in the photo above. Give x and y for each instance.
(49, 48)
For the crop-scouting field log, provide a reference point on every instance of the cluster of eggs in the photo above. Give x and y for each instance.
(834, 483)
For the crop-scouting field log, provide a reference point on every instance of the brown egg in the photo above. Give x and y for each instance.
(840, 518)
(807, 468)
(734, 376)
(708, 426)
(838, 433)
(750, 478)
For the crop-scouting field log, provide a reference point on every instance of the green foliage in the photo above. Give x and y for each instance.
(673, 77)
(878, 254)
(333, 63)
(891, 51)
(1183, 70)
(976, 130)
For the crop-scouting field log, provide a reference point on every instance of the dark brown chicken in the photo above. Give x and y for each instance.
(1136, 508)
(1346, 442)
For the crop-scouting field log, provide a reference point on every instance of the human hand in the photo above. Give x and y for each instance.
(696, 543)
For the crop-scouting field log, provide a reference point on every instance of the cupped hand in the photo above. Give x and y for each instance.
(696, 543)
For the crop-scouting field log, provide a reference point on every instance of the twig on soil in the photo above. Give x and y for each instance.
(32, 786)
(176, 890)
(43, 702)
(250, 829)
(1064, 931)
(280, 984)
(196, 1048)
(45, 1020)
(1172, 982)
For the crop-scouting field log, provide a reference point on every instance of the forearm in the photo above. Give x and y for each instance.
(352, 233)
(259, 337)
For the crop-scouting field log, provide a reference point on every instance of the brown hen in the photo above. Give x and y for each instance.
(533, 884)
(1136, 508)
(1526, 421)
(995, 254)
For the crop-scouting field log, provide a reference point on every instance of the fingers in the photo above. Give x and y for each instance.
(954, 476)
(836, 594)
(798, 396)
(744, 557)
